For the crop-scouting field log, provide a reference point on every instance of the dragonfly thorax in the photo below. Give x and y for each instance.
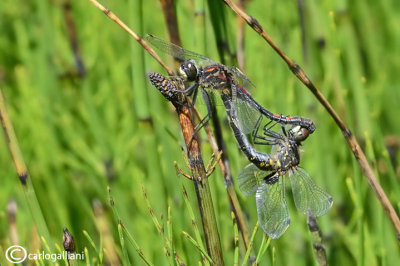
(286, 155)
(216, 77)
(189, 70)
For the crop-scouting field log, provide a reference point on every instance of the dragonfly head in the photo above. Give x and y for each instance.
(188, 70)
(298, 133)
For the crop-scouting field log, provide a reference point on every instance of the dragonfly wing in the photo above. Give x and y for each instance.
(176, 51)
(308, 197)
(248, 179)
(272, 209)
(240, 76)
(247, 115)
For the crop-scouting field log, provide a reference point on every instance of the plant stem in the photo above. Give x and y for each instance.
(316, 236)
(202, 187)
(22, 172)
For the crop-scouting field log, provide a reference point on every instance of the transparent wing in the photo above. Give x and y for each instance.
(308, 197)
(248, 179)
(239, 75)
(272, 209)
(183, 54)
(176, 51)
(247, 115)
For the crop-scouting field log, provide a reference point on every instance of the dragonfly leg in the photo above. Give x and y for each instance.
(257, 138)
(270, 137)
(194, 90)
(269, 133)
(199, 126)
(272, 178)
(256, 128)
(284, 131)
(205, 119)
(261, 140)
(268, 129)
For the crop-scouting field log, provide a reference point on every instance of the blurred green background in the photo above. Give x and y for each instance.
(88, 123)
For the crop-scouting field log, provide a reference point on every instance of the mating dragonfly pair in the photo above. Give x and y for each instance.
(265, 175)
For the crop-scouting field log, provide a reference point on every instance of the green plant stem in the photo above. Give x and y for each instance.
(22, 171)
(316, 237)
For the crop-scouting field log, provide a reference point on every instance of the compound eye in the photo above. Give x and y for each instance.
(299, 133)
(302, 134)
(188, 69)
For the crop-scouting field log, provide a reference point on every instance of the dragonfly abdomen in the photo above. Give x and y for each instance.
(166, 87)
(262, 160)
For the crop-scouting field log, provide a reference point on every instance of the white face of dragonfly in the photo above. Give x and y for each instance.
(299, 133)
(188, 70)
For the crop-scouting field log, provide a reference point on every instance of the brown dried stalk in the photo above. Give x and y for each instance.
(216, 145)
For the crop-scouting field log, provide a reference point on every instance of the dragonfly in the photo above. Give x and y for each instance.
(210, 76)
(267, 172)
